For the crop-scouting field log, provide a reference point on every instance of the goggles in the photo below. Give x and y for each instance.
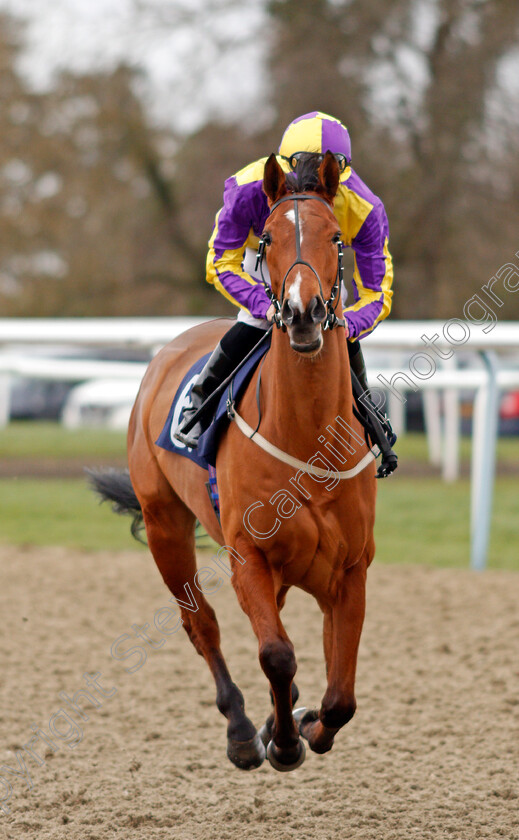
(294, 159)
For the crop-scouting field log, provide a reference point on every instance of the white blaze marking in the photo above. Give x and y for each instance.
(291, 216)
(295, 293)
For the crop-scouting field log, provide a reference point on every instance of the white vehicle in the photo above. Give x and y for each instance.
(102, 402)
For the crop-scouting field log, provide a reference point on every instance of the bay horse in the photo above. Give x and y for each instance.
(316, 535)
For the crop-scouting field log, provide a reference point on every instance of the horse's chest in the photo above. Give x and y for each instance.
(313, 545)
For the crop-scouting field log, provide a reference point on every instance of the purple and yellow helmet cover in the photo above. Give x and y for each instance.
(316, 132)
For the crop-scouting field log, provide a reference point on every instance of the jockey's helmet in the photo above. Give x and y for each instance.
(316, 132)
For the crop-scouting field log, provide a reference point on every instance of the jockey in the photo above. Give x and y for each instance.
(231, 259)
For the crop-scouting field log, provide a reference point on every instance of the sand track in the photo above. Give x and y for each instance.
(431, 753)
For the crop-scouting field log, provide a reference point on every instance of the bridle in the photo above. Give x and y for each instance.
(331, 319)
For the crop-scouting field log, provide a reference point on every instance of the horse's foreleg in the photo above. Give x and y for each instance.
(256, 593)
(170, 532)
(265, 732)
(342, 630)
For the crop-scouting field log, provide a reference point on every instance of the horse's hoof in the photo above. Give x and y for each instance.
(247, 755)
(298, 714)
(304, 718)
(265, 734)
(279, 765)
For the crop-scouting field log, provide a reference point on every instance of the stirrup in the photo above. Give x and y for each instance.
(388, 465)
(381, 432)
(190, 437)
(187, 438)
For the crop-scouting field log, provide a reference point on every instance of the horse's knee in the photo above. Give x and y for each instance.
(337, 714)
(278, 660)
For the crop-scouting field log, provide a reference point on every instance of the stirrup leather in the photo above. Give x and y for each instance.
(379, 431)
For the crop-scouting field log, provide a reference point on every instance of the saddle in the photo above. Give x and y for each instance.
(205, 454)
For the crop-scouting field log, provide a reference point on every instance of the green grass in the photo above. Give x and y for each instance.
(419, 520)
(51, 440)
(59, 512)
(424, 520)
(413, 447)
(35, 440)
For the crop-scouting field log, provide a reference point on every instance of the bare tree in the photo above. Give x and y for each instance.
(89, 219)
(412, 80)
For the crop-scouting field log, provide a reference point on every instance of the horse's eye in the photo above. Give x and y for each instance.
(337, 238)
(267, 238)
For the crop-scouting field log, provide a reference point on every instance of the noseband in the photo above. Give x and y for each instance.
(331, 319)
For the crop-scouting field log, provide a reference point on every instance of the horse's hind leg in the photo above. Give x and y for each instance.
(342, 631)
(170, 532)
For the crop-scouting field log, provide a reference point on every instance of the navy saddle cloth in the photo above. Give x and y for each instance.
(205, 454)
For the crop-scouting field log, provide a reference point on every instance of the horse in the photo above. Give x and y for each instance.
(317, 534)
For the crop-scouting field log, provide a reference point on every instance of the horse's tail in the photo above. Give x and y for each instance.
(115, 486)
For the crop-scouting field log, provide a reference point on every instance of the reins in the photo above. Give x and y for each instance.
(331, 319)
(330, 322)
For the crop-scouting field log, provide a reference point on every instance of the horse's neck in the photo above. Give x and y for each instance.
(302, 398)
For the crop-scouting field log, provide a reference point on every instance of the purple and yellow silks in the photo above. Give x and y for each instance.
(364, 227)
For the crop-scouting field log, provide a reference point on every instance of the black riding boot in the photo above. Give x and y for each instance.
(216, 369)
(379, 429)
(229, 352)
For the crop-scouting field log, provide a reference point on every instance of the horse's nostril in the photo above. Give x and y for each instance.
(287, 313)
(316, 310)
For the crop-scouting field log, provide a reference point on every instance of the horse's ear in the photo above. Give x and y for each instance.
(329, 175)
(274, 180)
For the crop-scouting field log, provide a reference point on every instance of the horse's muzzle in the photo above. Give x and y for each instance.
(304, 330)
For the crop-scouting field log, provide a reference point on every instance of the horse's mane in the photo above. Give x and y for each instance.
(304, 178)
